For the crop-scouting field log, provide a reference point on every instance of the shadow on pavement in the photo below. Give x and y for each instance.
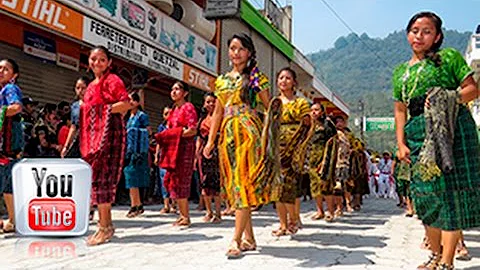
(165, 238)
(362, 221)
(342, 239)
(339, 228)
(137, 223)
(474, 251)
(313, 257)
(471, 268)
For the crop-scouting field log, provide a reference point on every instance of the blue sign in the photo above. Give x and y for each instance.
(39, 46)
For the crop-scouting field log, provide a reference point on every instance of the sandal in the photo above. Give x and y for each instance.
(292, 228)
(444, 266)
(182, 222)
(216, 219)
(133, 212)
(140, 209)
(208, 217)
(357, 208)
(329, 217)
(8, 227)
(247, 245)
(234, 251)
(228, 212)
(461, 252)
(432, 263)
(165, 211)
(318, 216)
(108, 234)
(279, 232)
(91, 214)
(425, 243)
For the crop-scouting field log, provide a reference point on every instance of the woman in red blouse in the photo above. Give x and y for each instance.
(102, 137)
(182, 128)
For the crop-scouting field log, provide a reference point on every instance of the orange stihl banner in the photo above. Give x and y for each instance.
(47, 13)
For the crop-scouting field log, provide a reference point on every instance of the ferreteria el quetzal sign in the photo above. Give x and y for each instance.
(378, 124)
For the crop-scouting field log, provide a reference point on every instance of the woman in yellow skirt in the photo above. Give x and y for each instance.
(241, 155)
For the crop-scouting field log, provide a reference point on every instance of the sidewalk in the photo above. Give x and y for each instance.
(378, 237)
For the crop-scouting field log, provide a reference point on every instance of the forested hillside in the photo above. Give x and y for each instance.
(360, 68)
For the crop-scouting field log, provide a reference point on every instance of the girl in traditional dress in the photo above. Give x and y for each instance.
(295, 111)
(137, 171)
(208, 167)
(447, 201)
(71, 147)
(178, 150)
(358, 173)
(11, 134)
(240, 149)
(321, 154)
(102, 137)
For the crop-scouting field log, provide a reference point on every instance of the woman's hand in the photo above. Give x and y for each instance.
(64, 152)
(404, 153)
(207, 150)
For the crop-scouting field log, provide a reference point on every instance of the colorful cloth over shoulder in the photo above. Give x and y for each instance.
(137, 133)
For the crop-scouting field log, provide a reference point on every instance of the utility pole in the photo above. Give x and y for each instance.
(361, 110)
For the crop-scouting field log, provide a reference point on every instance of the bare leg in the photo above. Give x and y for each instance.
(218, 205)
(330, 199)
(348, 200)
(297, 212)
(208, 208)
(8, 197)
(105, 228)
(292, 213)
(241, 220)
(282, 216)
(434, 236)
(135, 197)
(320, 214)
(249, 236)
(449, 241)
(184, 210)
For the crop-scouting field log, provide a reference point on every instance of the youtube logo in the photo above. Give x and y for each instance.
(52, 196)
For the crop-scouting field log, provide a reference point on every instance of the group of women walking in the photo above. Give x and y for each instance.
(253, 161)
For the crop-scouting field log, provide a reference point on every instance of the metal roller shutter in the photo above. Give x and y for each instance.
(44, 82)
(154, 104)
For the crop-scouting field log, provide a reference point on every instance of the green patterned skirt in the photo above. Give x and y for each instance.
(452, 201)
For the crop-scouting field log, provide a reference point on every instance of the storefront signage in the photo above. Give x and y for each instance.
(39, 46)
(130, 48)
(47, 13)
(221, 8)
(139, 17)
(199, 79)
(69, 62)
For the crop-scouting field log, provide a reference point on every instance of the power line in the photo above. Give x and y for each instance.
(352, 31)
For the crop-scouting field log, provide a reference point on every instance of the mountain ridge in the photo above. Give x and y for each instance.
(359, 67)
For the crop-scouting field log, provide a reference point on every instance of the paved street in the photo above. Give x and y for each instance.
(378, 237)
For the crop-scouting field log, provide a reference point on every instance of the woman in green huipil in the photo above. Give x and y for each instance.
(447, 203)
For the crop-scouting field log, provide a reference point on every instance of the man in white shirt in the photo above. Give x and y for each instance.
(385, 168)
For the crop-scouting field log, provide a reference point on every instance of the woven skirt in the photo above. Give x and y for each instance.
(452, 201)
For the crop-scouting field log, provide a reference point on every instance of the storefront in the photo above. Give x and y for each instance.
(51, 41)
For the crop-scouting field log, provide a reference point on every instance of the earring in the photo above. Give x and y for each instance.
(230, 63)
(249, 62)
